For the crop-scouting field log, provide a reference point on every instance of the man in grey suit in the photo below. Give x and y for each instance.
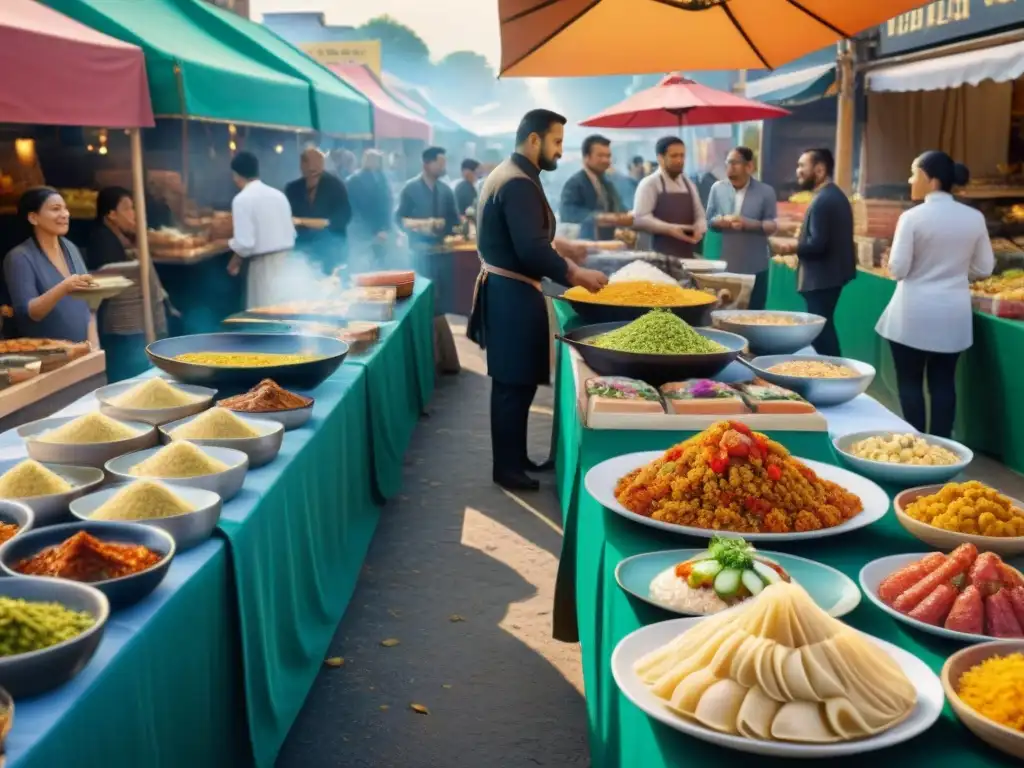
(744, 210)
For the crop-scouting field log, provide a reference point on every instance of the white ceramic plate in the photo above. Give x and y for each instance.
(872, 574)
(602, 479)
(631, 648)
(833, 591)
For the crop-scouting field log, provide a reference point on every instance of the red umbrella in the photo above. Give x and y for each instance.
(677, 101)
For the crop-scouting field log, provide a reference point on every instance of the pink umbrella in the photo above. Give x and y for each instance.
(677, 101)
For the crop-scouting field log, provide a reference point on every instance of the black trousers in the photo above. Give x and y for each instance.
(759, 293)
(911, 367)
(823, 302)
(510, 412)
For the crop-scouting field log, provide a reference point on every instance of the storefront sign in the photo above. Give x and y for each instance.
(944, 21)
(365, 52)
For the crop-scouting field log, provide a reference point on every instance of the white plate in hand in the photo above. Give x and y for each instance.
(635, 646)
(601, 480)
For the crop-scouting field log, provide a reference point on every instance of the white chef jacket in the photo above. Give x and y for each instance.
(938, 248)
(263, 228)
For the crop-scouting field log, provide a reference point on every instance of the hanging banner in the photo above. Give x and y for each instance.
(944, 21)
(365, 52)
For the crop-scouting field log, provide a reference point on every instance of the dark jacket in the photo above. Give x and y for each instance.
(580, 204)
(515, 229)
(370, 198)
(465, 196)
(418, 200)
(331, 202)
(826, 250)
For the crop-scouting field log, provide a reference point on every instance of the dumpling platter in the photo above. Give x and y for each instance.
(777, 677)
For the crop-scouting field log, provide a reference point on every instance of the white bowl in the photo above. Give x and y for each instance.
(947, 541)
(903, 475)
(82, 454)
(155, 416)
(53, 508)
(226, 484)
(260, 450)
(188, 530)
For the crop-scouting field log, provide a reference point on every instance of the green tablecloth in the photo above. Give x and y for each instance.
(596, 540)
(990, 378)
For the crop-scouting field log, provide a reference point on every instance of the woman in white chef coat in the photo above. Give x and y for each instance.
(938, 248)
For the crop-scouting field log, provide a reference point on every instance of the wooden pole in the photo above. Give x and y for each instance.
(845, 108)
(142, 234)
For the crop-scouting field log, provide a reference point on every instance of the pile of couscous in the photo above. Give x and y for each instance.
(729, 478)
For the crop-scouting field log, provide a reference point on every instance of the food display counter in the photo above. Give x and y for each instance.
(591, 607)
(452, 267)
(51, 390)
(212, 667)
(990, 386)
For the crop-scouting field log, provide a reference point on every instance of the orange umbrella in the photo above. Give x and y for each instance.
(577, 38)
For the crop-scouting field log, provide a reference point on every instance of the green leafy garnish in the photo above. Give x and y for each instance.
(731, 553)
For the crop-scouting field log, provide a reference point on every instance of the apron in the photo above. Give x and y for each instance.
(674, 208)
(261, 273)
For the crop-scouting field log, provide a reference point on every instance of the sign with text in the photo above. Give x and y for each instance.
(944, 21)
(365, 52)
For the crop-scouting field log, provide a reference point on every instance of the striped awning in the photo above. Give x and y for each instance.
(790, 89)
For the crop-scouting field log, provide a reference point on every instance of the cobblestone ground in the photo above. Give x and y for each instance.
(462, 575)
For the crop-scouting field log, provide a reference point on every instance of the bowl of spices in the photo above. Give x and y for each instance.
(153, 401)
(84, 441)
(984, 685)
(46, 489)
(49, 630)
(821, 380)
(628, 300)
(271, 401)
(657, 347)
(124, 561)
(182, 462)
(188, 514)
(15, 519)
(257, 437)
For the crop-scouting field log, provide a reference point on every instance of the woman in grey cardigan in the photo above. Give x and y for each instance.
(43, 271)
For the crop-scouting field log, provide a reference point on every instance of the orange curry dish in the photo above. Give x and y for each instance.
(85, 558)
(728, 478)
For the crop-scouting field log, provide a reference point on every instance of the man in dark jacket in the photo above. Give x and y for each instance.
(828, 258)
(589, 198)
(320, 195)
(370, 195)
(465, 190)
(517, 246)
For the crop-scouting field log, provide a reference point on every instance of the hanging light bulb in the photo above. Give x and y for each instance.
(102, 150)
(232, 146)
(279, 149)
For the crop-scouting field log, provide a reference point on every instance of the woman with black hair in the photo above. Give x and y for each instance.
(42, 272)
(122, 330)
(939, 247)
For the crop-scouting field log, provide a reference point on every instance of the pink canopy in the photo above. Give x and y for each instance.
(60, 72)
(676, 101)
(390, 119)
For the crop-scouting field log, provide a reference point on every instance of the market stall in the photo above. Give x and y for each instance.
(592, 603)
(226, 647)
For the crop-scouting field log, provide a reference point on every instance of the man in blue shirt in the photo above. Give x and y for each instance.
(426, 206)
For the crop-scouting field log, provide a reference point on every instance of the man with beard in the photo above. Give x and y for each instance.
(589, 198)
(743, 209)
(517, 247)
(667, 206)
(828, 259)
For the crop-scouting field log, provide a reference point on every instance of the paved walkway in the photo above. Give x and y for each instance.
(461, 575)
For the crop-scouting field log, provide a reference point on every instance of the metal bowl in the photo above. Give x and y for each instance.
(53, 508)
(293, 418)
(30, 674)
(819, 392)
(902, 475)
(154, 416)
(82, 454)
(654, 369)
(225, 484)
(695, 314)
(260, 450)
(188, 530)
(771, 339)
(121, 592)
(330, 352)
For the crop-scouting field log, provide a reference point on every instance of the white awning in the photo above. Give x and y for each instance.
(1001, 64)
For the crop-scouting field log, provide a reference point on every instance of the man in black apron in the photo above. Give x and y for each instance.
(517, 247)
(668, 206)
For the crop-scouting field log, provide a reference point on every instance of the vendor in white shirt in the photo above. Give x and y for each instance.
(937, 249)
(668, 207)
(264, 233)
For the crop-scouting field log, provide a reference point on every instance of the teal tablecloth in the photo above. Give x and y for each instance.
(596, 540)
(213, 668)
